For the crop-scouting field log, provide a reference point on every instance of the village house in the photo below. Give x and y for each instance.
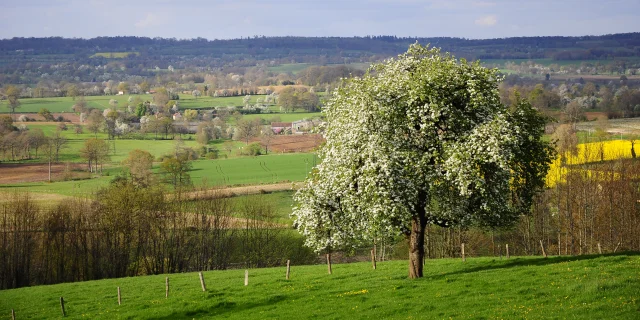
(301, 126)
(281, 127)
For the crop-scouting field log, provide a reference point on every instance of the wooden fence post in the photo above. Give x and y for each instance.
(288, 268)
(507, 246)
(462, 251)
(544, 253)
(13, 315)
(166, 287)
(204, 287)
(373, 259)
(119, 300)
(599, 248)
(329, 262)
(62, 306)
(246, 277)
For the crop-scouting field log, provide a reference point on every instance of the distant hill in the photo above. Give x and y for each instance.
(25, 60)
(261, 48)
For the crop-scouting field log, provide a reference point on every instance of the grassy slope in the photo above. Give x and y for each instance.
(482, 288)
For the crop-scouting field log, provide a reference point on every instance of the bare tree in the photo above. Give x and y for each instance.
(13, 95)
(247, 129)
(266, 138)
(59, 142)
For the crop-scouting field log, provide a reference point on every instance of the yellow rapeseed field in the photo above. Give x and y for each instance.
(586, 153)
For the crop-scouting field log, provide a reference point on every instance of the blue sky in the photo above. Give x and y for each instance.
(222, 19)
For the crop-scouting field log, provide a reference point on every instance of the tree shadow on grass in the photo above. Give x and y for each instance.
(529, 262)
(222, 307)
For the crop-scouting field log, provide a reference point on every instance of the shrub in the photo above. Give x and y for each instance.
(253, 149)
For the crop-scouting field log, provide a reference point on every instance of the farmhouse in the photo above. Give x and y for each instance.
(177, 116)
(281, 127)
(301, 126)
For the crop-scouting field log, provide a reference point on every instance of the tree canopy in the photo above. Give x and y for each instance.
(420, 139)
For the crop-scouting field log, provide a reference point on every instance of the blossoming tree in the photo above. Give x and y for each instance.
(420, 139)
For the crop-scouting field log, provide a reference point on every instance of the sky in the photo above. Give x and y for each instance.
(223, 19)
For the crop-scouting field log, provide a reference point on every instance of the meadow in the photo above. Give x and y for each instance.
(583, 287)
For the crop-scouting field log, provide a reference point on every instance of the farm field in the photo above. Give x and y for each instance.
(264, 169)
(289, 68)
(286, 117)
(584, 287)
(591, 152)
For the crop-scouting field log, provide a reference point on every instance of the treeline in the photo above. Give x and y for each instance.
(130, 231)
(617, 99)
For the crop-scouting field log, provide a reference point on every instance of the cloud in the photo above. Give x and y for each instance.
(150, 20)
(487, 21)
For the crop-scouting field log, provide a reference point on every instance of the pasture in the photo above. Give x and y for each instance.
(584, 287)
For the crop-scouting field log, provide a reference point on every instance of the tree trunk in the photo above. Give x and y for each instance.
(416, 245)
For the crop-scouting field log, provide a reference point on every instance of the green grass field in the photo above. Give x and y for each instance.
(584, 287)
(289, 67)
(263, 169)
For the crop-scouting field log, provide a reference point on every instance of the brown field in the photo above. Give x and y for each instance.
(591, 116)
(294, 143)
(72, 117)
(35, 172)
